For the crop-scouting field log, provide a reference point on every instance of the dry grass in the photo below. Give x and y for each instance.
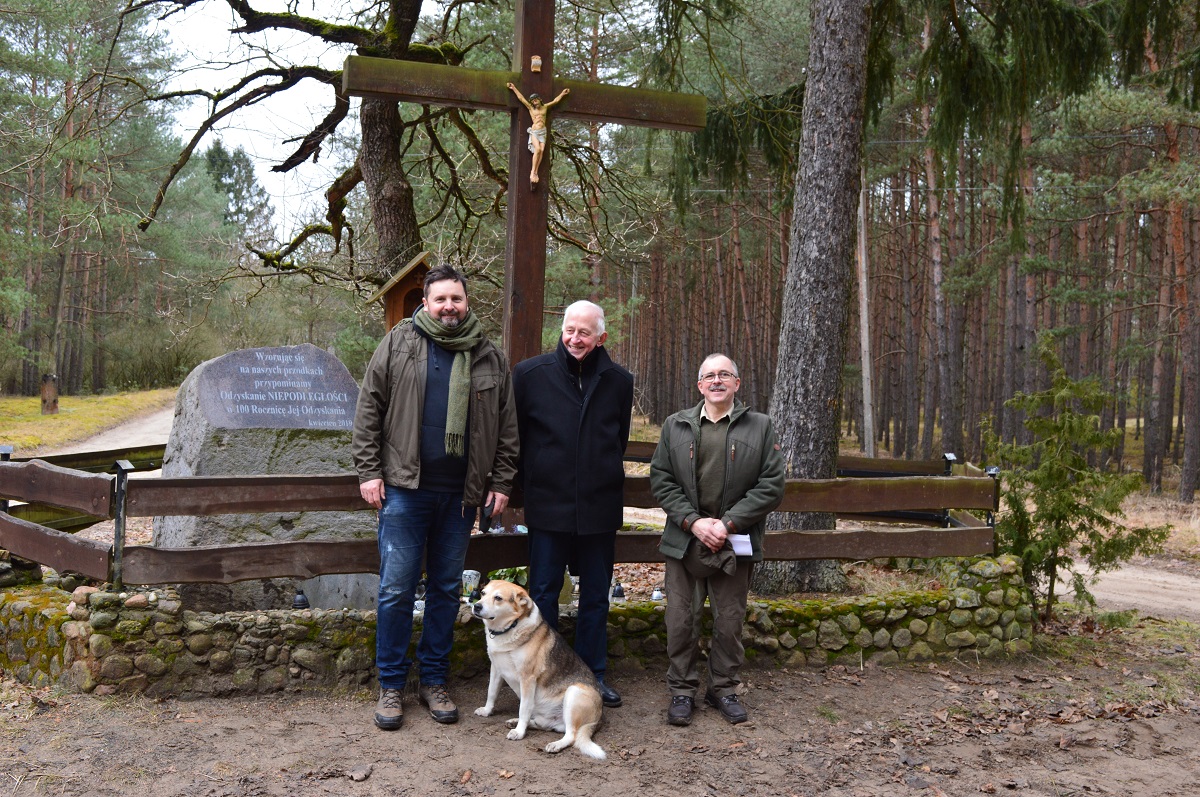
(1143, 509)
(23, 426)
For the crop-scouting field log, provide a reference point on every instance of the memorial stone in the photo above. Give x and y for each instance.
(280, 410)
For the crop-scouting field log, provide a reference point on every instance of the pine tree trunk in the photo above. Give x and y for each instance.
(1189, 326)
(812, 345)
(941, 331)
(867, 435)
(911, 324)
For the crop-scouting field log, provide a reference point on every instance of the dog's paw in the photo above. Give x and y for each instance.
(516, 734)
(554, 747)
(483, 711)
(512, 723)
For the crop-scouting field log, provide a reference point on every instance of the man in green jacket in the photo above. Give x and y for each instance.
(717, 472)
(435, 438)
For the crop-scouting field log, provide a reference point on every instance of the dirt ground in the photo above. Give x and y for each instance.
(1092, 710)
(1092, 713)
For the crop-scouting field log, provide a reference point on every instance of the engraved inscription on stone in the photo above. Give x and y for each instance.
(284, 387)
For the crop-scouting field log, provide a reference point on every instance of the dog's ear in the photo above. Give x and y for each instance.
(523, 600)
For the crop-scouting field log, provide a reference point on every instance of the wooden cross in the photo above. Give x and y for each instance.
(525, 250)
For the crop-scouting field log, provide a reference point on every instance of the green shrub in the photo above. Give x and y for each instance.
(1057, 508)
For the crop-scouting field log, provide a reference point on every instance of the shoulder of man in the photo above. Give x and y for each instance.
(531, 363)
(610, 366)
(689, 415)
(406, 330)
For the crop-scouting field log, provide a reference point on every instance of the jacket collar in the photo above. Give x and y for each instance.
(596, 362)
(693, 414)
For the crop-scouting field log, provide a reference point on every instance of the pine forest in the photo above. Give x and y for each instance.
(1028, 177)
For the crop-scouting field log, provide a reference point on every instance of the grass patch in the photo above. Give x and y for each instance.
(1124, 619)
(23, 426)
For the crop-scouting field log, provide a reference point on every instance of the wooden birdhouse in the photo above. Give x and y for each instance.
(403, 292)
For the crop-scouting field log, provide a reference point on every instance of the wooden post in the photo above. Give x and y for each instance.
(49, 394)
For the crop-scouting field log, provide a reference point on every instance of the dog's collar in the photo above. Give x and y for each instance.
(506, 630)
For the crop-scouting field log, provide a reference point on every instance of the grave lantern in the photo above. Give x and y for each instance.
(402, 294)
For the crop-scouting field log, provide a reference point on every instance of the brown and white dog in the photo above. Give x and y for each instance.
(558, 692)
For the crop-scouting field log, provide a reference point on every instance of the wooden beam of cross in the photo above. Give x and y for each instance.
(435, 84)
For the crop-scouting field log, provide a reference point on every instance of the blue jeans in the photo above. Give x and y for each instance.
(416, 525)
(591, 558)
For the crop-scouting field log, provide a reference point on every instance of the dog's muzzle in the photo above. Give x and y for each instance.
(477, 609)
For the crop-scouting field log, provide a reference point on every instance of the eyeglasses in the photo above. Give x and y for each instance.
(724, 376)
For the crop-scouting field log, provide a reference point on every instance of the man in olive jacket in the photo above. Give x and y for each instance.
(435, 437)
(573, 410)
(717, 472)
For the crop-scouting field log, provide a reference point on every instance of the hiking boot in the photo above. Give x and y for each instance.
(729, 706)
(441, 707)
(680, 710)
(389, 711)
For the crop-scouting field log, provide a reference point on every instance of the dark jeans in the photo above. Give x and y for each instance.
(591, 559)
(416, 525)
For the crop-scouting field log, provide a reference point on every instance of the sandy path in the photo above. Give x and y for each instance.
(1150, 590)
(146, 430)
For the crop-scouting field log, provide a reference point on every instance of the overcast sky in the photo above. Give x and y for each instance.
(210, 53)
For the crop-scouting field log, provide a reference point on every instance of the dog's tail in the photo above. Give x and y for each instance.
(584, 743)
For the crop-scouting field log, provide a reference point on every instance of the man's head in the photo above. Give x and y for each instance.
(718, 381)
(535, 99)
(446, 295)
(583, 329)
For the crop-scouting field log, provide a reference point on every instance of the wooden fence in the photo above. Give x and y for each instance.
(67, 493)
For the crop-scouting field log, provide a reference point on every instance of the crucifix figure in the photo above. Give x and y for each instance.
(538, 132)
(533, 54)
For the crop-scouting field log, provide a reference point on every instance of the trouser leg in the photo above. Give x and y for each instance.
(403, 526)
(549, 554)
(446, 553)
(727, 596)
(683, 652)
(594, 554)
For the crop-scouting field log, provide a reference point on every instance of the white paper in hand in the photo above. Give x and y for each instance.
(741, 544)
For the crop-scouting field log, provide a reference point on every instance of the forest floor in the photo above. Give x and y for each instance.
(1106, 704)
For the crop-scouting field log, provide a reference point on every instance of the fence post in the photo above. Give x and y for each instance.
(5, 456)
(949, 459)
(994, 472)
(123, 468)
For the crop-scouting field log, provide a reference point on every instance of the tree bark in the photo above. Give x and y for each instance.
(867, 435)
(812, 338)
(387, 186)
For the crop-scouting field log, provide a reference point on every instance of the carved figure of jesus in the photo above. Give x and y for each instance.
(537, 130)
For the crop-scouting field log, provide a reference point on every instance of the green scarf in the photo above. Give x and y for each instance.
(460, 339)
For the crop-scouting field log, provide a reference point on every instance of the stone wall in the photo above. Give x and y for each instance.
(145, 641)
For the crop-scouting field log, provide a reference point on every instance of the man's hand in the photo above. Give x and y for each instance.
(711, 532)
(499, 502)
(372, 492)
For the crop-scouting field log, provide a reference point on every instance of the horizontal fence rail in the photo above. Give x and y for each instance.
(233, 495)
(56, 549)
(142, 458)
(894, 491)
(227, 564)
(41, 482)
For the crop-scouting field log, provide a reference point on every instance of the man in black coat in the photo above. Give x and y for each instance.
(573, 413)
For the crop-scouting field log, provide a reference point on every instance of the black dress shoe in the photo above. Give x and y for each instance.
(729, 706)
(609, 696)
(680, 710)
